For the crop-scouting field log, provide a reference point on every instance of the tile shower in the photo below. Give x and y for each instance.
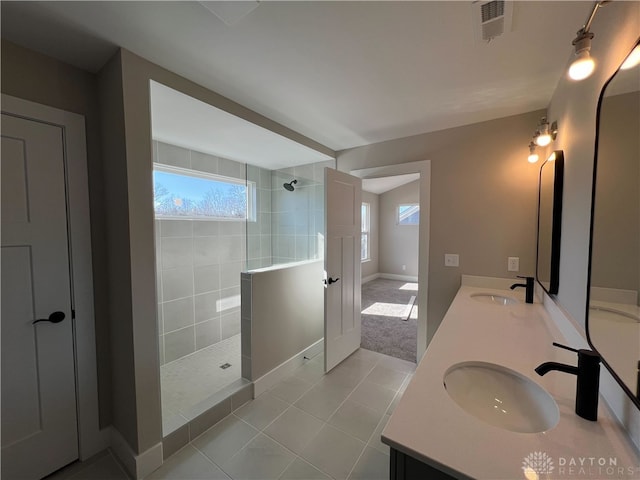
(198, 266)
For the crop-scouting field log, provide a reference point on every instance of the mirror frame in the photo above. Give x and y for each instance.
(634, 398)
(556, 222)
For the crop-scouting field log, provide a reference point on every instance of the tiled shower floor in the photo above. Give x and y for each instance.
(188, 381)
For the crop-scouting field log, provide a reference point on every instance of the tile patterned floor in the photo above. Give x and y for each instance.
(191, 379)
(308, 426)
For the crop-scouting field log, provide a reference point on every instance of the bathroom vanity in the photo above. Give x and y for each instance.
(432, 433)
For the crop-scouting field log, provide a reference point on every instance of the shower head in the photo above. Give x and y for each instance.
(289, 186)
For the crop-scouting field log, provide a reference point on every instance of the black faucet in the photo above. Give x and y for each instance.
(588, 373)
(528, 286)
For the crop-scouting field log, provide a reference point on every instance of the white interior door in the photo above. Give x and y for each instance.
(39, 426)
(343, 200)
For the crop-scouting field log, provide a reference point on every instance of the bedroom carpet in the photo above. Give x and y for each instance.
(385, 308)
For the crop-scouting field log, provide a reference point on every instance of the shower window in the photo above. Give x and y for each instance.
(189, 194)
(409, 214)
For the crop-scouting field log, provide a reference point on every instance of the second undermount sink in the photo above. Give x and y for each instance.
(501, 397)
(493, 298)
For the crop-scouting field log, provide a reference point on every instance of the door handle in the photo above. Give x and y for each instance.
(55, 317)
(332, 280)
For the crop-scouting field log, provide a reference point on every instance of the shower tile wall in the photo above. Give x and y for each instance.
(198, 266)
(259, 229)
(297, 218)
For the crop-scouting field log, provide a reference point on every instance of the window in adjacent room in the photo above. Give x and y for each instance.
(365, 253)
(409, 214)
(190, 194)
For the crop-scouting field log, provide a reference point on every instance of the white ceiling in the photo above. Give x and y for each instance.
(384, 184)
(181, 120)
(342, 73)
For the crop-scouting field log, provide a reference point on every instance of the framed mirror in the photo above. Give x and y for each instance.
(613, 315)
(550, 222)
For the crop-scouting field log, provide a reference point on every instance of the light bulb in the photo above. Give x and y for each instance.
(632, 60)
(582, 66)
(533, 156)
(543, 139)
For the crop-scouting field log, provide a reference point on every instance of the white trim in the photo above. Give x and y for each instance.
(287, 367)
(140, 465)
(370, 278)
(393, 276)
(91, 439)
(423, 167)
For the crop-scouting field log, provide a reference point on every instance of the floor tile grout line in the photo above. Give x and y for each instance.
(237, 452)
(285, 400)
(296, 455)
(324, 422)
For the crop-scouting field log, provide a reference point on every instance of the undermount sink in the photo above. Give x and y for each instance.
(501, 397)
(493, 298)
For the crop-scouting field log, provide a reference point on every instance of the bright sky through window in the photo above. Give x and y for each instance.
(188, 194)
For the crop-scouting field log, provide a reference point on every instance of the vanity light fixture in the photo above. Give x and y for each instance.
(583, 65)
(533, 156)
(632, 60)
(545, 133)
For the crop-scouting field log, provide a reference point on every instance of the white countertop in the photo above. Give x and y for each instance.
(428, 425)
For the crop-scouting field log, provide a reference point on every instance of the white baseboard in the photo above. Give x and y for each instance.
(370, 278)
(287, 367)
(137, 465)
(393, 276)
(389, 276)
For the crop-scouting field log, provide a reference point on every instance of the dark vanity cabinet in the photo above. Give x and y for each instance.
(405, 467)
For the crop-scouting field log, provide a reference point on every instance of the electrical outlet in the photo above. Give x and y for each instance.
(404, 267)
(513, 264)
(451, 260)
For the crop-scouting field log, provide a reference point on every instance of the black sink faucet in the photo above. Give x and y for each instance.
(528, 286)
(588, 373)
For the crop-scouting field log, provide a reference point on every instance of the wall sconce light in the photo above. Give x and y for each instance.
(583, 65)
(533, 156)
(545, 133)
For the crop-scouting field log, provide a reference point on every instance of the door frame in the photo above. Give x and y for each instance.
(91, 439)
(424, 169)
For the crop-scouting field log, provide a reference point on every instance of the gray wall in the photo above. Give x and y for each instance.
(483, 203)
(371, 267)
(574, 106)
(398, 243)
(38, 78)
(125, 409)
(198, 265)
(282, 314)
(138, 398)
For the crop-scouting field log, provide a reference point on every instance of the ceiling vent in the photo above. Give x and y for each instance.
(491, 19)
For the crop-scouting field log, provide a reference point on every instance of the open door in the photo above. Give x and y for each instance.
(342, 206)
